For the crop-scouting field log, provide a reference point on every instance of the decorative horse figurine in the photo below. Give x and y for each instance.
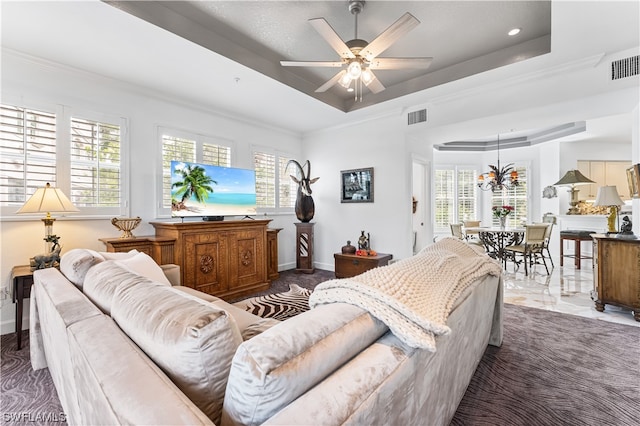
(42, 261)
(305, 207)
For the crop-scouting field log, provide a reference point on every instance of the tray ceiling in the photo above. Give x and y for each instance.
(463, 37)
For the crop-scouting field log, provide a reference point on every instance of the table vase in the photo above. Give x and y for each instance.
(503, 222)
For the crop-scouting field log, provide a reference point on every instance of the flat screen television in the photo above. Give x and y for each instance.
(211, 192)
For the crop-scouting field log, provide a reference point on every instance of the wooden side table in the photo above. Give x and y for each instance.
(22, 278)
(350, 265)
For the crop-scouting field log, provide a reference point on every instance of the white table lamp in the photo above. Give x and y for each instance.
(48, 200)
(608, 197)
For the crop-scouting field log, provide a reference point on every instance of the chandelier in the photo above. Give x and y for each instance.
(498, 178)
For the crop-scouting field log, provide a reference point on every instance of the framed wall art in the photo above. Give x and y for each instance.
(633, 179)
(357, 186)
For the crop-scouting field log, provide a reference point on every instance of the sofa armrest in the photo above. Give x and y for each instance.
(172, 272)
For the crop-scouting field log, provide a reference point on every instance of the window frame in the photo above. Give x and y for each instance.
(278, 154)
(200, 140)
(455, 200)
(63, 115)
(513, 220)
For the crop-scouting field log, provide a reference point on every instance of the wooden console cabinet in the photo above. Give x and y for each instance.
(616, 273)
(350, 265)
(272, 253)
(227, 259)
(159, 248)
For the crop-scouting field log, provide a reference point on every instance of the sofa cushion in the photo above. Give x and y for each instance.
(276, 367)
(103, 279)
(191, 340)
(75, 264)
(249, 325)
(118, 384)
(115, 255)
(143, 264)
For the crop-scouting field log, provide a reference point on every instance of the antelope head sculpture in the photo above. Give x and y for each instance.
(305, 208)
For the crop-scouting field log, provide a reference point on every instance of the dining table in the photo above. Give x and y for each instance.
(495, 240)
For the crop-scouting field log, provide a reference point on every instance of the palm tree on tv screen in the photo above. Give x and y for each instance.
(194, 183)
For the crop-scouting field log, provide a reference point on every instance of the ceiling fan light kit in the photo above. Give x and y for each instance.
(358, 57)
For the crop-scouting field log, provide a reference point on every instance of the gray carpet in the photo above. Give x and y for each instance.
(552, 369)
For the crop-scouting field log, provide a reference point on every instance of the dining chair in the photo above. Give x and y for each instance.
(471, 224)
(547, 238)
(531, 247)
(456, 230)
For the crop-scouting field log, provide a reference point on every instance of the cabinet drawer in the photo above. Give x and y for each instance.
(350, 265)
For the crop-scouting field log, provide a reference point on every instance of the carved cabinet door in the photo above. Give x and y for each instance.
(206, 262)
(247, 265)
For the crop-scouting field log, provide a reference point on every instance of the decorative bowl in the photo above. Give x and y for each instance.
(126, 225)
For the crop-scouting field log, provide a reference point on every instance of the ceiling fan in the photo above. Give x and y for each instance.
(358, 57)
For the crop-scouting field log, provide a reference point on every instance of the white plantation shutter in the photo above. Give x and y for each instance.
(444, 199)
(466, 195)
(95, 164)
(275, 189)
(288, 188)
(516, 197)
(174, 149)
(455, 197)
(27, 153)
(265, 167)
(186, 149)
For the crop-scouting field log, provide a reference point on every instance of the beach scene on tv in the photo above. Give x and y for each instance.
(205, 190)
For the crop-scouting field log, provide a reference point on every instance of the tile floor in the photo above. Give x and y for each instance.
(565, 289)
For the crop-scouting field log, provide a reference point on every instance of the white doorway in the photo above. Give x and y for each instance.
(420, 193)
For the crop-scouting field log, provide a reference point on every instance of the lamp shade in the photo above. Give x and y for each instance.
(48, 200)
(573, 177)
(608, 196)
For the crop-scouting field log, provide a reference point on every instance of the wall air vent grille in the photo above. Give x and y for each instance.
(623, 68)
(416, 117)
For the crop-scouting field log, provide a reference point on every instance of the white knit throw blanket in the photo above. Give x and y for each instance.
(414, 296)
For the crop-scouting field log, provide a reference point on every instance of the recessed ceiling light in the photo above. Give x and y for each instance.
(350, 89)
(514, 31)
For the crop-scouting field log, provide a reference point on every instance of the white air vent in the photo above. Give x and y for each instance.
(624, 67)
(416, 117)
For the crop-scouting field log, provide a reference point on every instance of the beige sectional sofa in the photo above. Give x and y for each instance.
(123, 348)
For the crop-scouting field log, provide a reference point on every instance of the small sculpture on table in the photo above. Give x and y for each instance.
(364, 245)
(50, 259)
(625, 229)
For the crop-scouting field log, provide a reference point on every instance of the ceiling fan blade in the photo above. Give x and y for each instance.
(330, 64)
(331, 37)
(374, 84)
(389, 36)
(400, 63)
(329, 84)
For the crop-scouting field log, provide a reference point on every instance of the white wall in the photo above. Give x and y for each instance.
(379, 144)
(34, 83)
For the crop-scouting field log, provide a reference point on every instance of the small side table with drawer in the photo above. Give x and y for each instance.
(22, 278)
(350, 265)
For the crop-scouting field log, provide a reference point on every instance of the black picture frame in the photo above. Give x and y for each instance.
(356, 185)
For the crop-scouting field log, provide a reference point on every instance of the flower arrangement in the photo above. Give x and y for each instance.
(502, 211)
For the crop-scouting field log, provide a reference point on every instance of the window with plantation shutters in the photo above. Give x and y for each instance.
(455, 197)
(516, 197)
(444, 199)
(275, 189)
(265, 167)
(27, 153)
(95, 164)
(181, 146)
